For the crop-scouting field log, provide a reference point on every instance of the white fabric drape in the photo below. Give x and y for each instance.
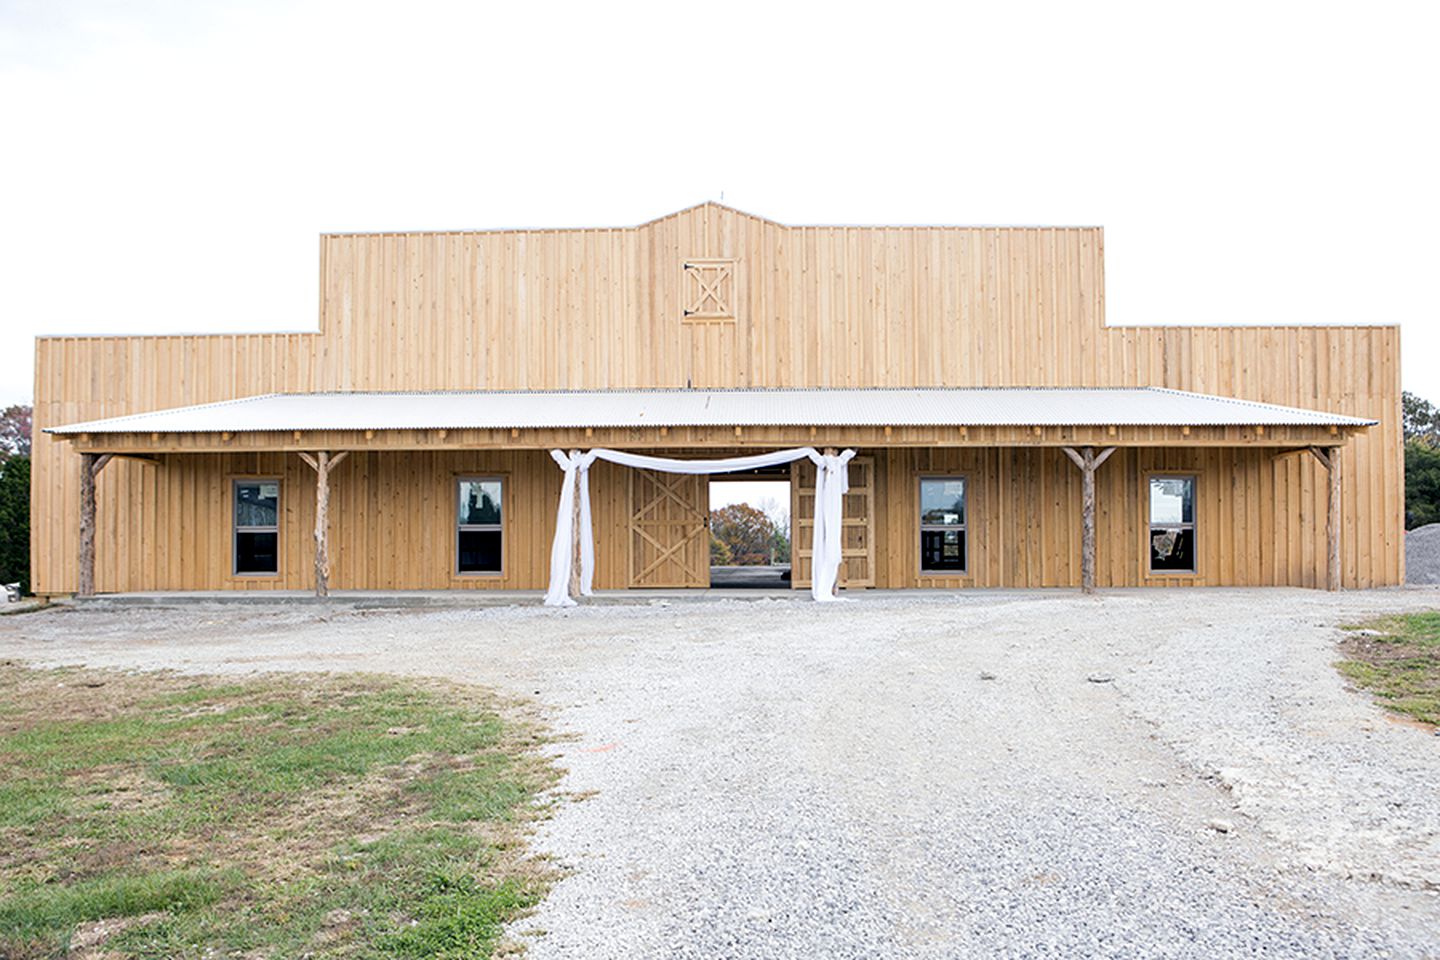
(727, 465)
(577, 478)
(832, 479)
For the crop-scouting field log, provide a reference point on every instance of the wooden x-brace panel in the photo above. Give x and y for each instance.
(668, 527)
(709, 289)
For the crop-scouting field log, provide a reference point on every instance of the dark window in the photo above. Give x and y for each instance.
(942, 525)
(257, 527)
(1172, 524)
(479, 530)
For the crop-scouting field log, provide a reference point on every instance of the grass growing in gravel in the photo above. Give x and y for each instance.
(1397, 659)
(358, 817)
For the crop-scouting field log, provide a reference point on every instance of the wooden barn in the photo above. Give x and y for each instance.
(1004, 435)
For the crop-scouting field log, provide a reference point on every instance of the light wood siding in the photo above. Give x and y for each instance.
(816, 306)
(392, 521)
(1260, 521)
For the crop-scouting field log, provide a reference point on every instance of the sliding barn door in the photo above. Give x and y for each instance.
(858, 568)
(669, 529)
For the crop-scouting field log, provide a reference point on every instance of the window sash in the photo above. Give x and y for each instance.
(497, 528)
(931, 571)
(1162, 571)
(238, 529)
(961, 527)
(964, 482)
(1190, 526)
(1189, 481)
(460, 484)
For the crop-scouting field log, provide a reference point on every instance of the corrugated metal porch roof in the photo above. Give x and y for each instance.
(934, 406)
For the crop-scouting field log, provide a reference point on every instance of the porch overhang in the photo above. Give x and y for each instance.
(1087, 423)
(988, 416)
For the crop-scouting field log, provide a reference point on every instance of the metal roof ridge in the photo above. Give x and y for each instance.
(699, 391)
(676, 406)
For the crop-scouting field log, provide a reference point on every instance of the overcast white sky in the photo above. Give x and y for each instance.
(167, 166)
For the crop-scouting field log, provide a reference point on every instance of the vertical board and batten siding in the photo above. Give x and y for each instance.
(1023, 506)
(393, 516)
(815, 306)
(392, 521)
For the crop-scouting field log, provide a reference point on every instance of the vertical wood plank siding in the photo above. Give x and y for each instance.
(816, 306)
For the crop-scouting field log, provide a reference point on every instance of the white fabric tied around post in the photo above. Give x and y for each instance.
(832, 482)
(576, 483)
(832, 479)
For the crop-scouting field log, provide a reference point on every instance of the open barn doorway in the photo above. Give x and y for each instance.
(750, 529)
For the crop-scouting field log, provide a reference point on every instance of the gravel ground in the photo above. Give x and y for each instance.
(1422, 554)
(968, 775)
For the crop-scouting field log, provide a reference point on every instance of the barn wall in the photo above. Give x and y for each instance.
(393, 519)
(815, 306)
(1260, 521)
(168, 526)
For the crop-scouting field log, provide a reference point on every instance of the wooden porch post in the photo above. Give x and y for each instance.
(575, 535)
(1332, 531)
(90, 466)
(1088, 462)
(322, 463)
(1329, 458)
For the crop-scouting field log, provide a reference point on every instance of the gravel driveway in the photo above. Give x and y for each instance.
(970, 775)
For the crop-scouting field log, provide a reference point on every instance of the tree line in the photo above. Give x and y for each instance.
(15, 424)
(741, 535)
(1420, 421)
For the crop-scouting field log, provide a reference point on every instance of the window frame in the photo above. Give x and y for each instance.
(1147, 523)
(236, 529)
(921, 526)
(456, 526)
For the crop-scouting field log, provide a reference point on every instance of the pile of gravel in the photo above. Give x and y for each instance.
(1422, 554)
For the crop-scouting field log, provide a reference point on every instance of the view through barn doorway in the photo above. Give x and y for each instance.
(750, 529)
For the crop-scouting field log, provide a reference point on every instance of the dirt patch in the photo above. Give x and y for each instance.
(68, 694)
(120, 787)
(89, 938)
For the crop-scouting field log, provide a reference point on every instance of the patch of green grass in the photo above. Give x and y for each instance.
(456, 920)
(1397, 660)
(1422, 629)
(31, 917)
(24, 802)
(198, 693)
(486, 791)
(320, 816)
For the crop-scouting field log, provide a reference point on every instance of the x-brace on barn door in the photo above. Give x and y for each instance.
(669, 529)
